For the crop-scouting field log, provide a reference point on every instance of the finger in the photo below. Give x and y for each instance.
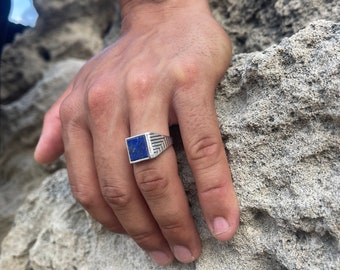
(50, 145)
(160, 184)
(206, 156)
(110, 127)
(164, 193)
(81, 167)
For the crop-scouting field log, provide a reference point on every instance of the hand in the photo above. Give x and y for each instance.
(162, 71)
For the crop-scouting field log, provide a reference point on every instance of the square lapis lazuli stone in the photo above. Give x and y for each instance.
(138, 148)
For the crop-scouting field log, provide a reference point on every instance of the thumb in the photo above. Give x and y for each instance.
(50, 145)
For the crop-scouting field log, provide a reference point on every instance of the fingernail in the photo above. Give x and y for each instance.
(183, 254)
(160, 257)
(220, 226)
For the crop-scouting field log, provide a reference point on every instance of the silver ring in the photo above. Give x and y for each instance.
(146, 146)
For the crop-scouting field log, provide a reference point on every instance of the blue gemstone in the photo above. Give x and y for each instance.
(138, 148)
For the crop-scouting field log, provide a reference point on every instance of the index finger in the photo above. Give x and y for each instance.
(206, 155)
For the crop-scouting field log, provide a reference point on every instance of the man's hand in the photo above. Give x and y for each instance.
(162, 71)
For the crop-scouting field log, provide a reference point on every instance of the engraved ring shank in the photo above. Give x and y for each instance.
(146, 146)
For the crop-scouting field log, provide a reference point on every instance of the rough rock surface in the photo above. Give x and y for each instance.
(64, 29)
(255, 25)
(21, 121)
(280, 121)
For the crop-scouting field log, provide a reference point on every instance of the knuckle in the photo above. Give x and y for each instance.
(215, 189)
(152, 182)
(205, 151)
(116, 228)
(116, 197)
(66, 110)
(84, 196)
(103, 101)
(70, 115)
(139, 82)
(172, 226)
(186, 72)
(142, 238)
(97, 97)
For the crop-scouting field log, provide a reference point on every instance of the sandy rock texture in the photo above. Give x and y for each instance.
(21, 122)
(255, 25)
(64, 29)
(279, 110)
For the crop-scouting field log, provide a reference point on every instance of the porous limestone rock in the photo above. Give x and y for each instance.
(65, 28)
(21, 124)
(280, 121)
(255, 25)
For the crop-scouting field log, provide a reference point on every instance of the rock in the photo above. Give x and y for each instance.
(21, 120)
(255, 25)
(64, 29)
(69, 239)
(279, 113)
(27, 113)
(280, 121)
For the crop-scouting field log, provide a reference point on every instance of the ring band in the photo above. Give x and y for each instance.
(146, 146)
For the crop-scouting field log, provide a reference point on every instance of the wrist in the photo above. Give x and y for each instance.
(145, 13)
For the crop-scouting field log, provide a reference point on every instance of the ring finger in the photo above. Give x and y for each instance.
(118, 186)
